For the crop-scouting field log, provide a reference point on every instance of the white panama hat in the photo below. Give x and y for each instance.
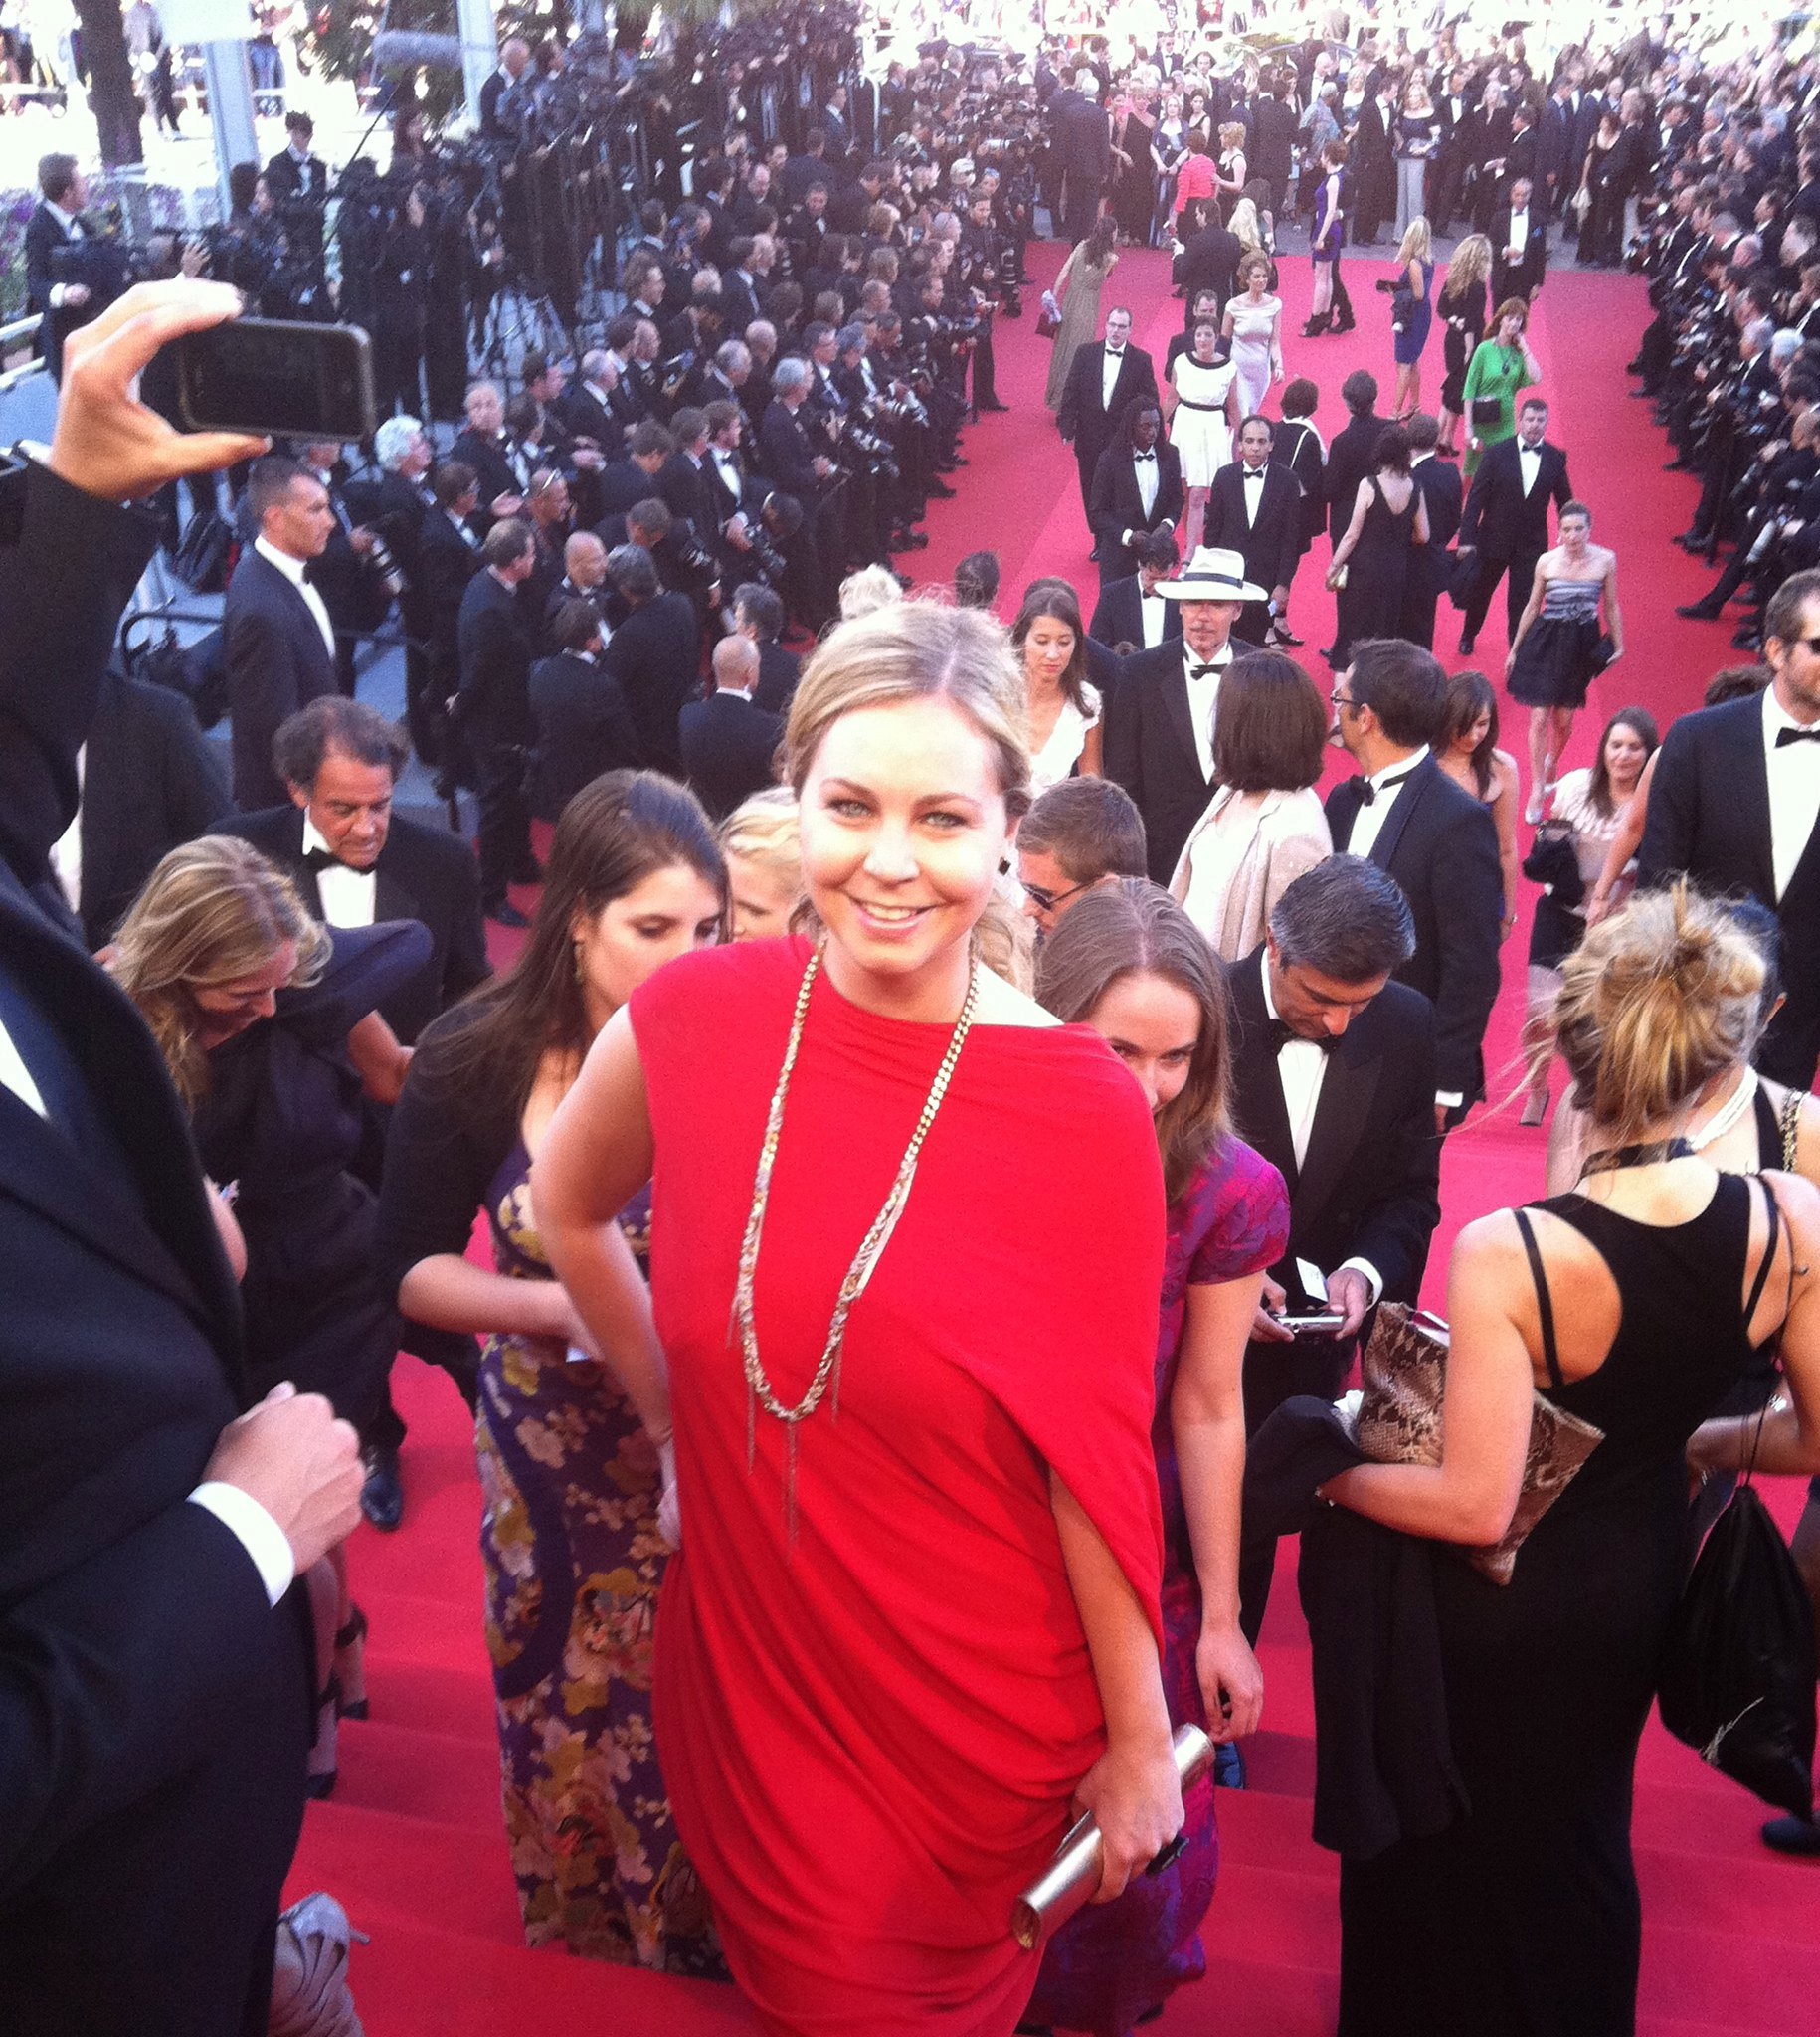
(1212, 573)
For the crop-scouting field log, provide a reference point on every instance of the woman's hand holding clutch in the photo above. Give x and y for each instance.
(1135, 1797)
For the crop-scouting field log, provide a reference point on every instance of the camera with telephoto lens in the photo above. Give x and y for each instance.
(379, 557)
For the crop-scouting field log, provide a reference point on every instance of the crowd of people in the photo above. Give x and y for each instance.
(950, 1505)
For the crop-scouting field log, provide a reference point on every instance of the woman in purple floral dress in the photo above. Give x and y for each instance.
(1129, 962)
(570, 1473)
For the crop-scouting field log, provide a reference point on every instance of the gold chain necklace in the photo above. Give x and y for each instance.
(759, 1391)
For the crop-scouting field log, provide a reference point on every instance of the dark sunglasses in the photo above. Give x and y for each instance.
(1048, 901)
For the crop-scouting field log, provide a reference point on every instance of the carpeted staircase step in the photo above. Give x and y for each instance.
(440, 1779)
(384, 1867)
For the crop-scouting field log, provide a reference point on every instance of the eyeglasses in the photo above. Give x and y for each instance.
(1046, 900)
(1342, 700)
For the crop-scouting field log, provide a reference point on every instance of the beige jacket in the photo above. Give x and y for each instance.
(1244, 853)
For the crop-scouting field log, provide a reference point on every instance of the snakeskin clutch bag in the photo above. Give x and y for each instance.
(1404, 1369)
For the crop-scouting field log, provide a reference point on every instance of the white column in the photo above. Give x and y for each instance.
(479, 48)
(230, 110)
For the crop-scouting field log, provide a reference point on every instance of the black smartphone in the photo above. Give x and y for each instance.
(278, 375)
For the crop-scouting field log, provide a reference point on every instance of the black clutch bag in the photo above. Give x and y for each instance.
(1602, 653)
(1487, 410)
(1555, 861)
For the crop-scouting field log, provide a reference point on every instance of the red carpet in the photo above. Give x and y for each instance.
(412, 1843)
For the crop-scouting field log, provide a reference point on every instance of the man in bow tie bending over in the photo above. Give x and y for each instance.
(1332, 1082)
(1160, 721)
(1407, 816)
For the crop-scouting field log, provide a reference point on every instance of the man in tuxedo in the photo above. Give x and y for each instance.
(591, 408)
(1438, 482)
(1505, 524)
(498, 462)
(1354, 452)
(356, 860)
(356, 599)
(1453, 156)
(150, 780)
(494, 711)
(1082, 137)
(1137, 489)
(1206, 263)
(1734, 805)
(758, 616)
(729, 743)
(1254, 508)
(1131, 610)
(1080, 836)
(580, 721)
(298, 183)
(1557, 171)
(276, 635)
(654, 653)
(55, 223)
(1519, 247)
(498, 126)
(449, 556)
(1407, 816)
(395, 508)
(158, 1696)
(1160, 721)
(1332, 1080)
(1103, 377)
(1373, 164)
(583, 579)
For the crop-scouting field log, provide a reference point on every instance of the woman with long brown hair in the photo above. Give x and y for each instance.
(1077, 292)
(1128, 962)
(1062, 709)
(570, 1471)
(914, 1626)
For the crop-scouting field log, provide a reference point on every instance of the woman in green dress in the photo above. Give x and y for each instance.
(1502, 367)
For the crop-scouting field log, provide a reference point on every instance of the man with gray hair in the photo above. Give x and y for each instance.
(1332, 1082)
(654, 653)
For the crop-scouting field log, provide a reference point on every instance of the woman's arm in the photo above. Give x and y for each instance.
(1132, 1788)
(1276, 344)
(380, 1060)
(595, 1155)
(1343, 551)
(1615, 621)
(1092, 764)
(1531, 371)
(1420, 526)
(1207, 1420)
(1225, 325)
(1624, 844)
(1790, 1444)
(1532, 609)
(227, 1229)
(1503, 817)
(1471, 1493)
(1418, 287)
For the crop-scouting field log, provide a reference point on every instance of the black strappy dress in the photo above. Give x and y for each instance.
(1522, 1920)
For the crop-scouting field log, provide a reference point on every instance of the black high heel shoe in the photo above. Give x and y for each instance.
(350, 1678)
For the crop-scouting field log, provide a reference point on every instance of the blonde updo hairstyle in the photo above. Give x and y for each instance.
(213, 911)
(1654, 1003)
(924, 650)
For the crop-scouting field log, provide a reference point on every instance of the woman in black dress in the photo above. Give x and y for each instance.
(1134, 168)
(1636, 1301)
(1371, 561)
(1461, 307)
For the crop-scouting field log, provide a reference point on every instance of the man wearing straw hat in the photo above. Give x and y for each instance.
(1160, 722)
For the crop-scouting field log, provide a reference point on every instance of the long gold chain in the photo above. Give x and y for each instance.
(759, 1391)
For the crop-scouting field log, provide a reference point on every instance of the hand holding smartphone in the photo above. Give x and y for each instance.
(278, 376)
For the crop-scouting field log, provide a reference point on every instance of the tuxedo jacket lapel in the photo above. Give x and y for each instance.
(391, 900)
(1342, 812)
(1402, 812)
(1175, 705)
(1263, 1116)
(1747, 780)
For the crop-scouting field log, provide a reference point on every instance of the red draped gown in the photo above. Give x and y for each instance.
(871, 1735)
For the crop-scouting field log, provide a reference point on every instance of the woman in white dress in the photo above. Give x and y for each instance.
(1254, 325)
(1061, 710)
(1264, 826)
(1201, 417)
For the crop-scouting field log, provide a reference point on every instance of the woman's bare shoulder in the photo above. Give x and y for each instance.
(1003, 1003)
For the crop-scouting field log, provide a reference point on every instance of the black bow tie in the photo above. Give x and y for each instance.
(1254, 474)
(322, 859)
(1282, 1033)
(1785, 736)
(1143, 455)
(1372, 794)
(1201, 672)
(1113, 352)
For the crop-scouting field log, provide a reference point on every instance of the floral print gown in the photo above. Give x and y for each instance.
(573, 1557)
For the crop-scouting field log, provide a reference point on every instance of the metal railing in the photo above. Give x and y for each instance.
(18, 333)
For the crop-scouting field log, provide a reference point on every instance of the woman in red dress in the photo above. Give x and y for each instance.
(906, 1255)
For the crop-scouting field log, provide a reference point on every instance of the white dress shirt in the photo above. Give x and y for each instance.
(1144, 465)
(1154, 612)
(1369, 822)
(1251, 489)
(1529, 465)
(348, 894)
(237, 1511)
(1302, 1069)
(294, 571)
(1520, 233)
(1794, 790)
(1109, 374)
(67, 849)
(1203, 699)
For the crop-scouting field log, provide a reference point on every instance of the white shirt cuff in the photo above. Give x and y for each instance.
(1450, 1100)
(254, 1530)
(56, 295)
(1375, 1280)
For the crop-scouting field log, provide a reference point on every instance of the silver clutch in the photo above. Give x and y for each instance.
(1068, 1882)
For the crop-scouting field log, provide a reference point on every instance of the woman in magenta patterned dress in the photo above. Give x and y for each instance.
(1130, 963)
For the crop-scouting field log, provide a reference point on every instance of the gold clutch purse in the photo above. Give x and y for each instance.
(1398, 1421)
